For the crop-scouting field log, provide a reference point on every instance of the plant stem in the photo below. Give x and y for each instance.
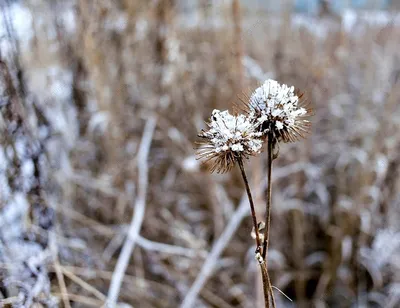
(268, 212)
(268, 208)
(253, 211)
(264, 273)
(266, 283)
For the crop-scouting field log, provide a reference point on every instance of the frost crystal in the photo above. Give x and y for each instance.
(276, 109)
(228, 138)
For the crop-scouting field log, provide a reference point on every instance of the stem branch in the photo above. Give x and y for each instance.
(268, 214)
(253, 212)
(267, 288)
(268, 208)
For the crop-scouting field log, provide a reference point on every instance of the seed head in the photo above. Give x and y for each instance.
(278, 112)
(228, 138)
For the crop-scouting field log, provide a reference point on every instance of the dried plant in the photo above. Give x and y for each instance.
(278, 112)
(228, 140)
(274, 115)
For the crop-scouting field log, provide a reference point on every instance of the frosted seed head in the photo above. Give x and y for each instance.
(228, 138)
(276, 108)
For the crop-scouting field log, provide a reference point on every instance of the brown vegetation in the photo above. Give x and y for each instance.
(336, 203)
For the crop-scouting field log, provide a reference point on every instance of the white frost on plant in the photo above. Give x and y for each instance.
(276, 103)
(173, 49)
(353, 19)
(385, 247)
(20, 17)
(279, 125)
(12, 216)
(233, 133)
(99, 121)
(381, 166)
(141, 29)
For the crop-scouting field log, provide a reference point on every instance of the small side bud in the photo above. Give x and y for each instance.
(261, 227)
(259, 258)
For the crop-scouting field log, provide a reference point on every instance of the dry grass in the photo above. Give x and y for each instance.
(336, 196)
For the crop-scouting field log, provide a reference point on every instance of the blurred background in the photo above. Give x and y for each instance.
(100, 105)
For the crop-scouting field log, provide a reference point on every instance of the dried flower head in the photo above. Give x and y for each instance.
(278, 112)
(228, 138)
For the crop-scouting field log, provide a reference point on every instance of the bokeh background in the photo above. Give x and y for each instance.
(100, 105)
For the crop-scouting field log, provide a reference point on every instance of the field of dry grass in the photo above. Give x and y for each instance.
(100, 108)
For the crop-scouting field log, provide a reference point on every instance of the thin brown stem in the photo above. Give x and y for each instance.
(268, 208)
(268, 212)
(266, 284)
(271, 291)
(253, 211)
(264, 273)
